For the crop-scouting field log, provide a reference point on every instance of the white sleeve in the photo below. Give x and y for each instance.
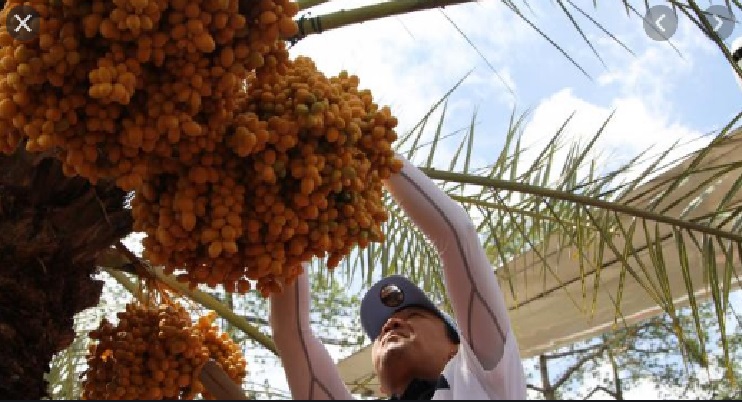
(472, 287)
(310, 371)
(467, 380)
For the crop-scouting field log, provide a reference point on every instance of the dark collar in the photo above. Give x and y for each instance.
(421, 389)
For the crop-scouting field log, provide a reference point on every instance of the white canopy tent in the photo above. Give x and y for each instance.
(550, 312)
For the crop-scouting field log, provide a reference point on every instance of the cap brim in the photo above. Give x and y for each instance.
(374, 313)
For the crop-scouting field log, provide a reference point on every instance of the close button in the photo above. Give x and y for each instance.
(23, 23)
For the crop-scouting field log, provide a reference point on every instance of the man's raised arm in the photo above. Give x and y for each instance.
(309, 369)
(475, 295)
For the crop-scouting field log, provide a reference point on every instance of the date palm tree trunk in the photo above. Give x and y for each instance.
(51, 228)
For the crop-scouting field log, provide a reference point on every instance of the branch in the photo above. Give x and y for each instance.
(616, 376)
(579, 364)
(572, 352)
(535, 388)
(525, 188)
(198, 296)
(654, 350)
(600, 388)
(338, 19)
(548, 390)
(126, 283)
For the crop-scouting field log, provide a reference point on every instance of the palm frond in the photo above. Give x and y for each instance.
(579, 29)
(606, 242)
(479, 52)
(341, 18)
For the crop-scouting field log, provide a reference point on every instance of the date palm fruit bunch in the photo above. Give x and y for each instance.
(244, 162)
(316, 189)
(306, 158)
(225, 351)
(123, 88)
(155, 353)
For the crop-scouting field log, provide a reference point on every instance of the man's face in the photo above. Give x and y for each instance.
(410, 342)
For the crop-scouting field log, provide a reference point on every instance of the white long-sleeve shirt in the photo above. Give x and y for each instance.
(487, 365)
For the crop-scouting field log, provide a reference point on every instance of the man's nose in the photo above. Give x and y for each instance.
(390, 324)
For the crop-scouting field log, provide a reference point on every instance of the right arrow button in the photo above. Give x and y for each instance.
(721, 20)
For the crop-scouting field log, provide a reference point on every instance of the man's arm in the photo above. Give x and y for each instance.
(475, 295)
(309, 369)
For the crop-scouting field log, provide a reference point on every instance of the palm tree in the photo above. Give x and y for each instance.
(661, 241)
(51, 228)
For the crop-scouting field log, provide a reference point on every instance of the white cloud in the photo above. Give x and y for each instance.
(659, 67)
(647, 75)
(487, 85)
(410, 61)
(634, 128)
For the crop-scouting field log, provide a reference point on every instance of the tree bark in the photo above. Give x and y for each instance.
(547, 389)
(51, 228)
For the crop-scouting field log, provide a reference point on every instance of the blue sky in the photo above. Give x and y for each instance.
(410, 61)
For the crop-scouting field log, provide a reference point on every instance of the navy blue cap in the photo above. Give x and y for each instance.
(394, 293)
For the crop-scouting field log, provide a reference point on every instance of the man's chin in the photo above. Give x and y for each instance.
(394, 350)
(395, 359)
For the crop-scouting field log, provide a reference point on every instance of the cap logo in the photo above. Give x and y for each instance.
(391, 295)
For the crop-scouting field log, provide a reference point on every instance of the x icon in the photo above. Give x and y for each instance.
(22, 23)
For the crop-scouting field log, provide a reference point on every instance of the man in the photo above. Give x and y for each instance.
(418, 352)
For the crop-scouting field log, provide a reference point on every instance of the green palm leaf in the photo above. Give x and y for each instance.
(639, 237)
